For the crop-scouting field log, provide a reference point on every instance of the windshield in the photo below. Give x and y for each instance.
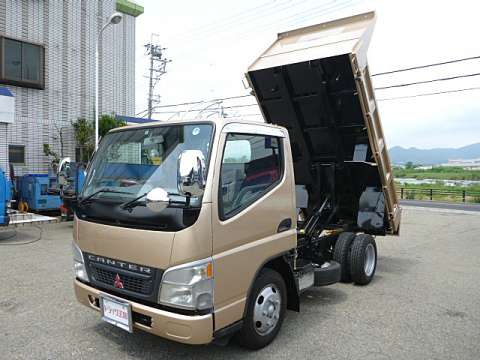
(133, 162)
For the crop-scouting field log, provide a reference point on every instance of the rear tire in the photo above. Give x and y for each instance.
(341, 254)
(266, 309)
(363, 259)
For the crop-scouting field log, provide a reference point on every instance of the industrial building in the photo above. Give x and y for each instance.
(47, 74)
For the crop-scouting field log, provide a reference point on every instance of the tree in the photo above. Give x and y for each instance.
(84, 136)
(107, 123)
(47, 150)
(85, 133)
(409, 165)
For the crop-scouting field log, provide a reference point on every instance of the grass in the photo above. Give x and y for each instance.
(437, 173)
(440, 192)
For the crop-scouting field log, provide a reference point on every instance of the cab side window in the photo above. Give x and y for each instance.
(251, 166)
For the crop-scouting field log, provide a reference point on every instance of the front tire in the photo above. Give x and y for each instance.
(267, 305)
(363, 259)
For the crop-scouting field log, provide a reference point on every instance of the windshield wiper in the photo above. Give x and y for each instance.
(104, 190)
(129, 205)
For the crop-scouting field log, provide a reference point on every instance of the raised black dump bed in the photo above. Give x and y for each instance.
(315, 82)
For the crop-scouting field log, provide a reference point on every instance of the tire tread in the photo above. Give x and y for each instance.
(341, 254)
(357, 259)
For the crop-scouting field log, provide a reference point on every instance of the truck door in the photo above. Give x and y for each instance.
(254, 216)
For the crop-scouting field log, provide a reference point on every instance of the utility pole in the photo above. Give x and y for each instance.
(150, 85)
(158, 64)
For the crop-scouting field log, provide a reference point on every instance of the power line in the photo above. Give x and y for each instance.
(377, 88)
(209, 109)
(197, 102)
(427, 81)
(429, 94)
(325, 8)
(250, 22)
(315, 12)
(242, 115)
(426, 66)
(245, 96)
(384, 99)
(305, 15)
(227, 20)
(259, 114)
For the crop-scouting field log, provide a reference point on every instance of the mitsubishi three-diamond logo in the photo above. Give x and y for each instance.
(118, 282)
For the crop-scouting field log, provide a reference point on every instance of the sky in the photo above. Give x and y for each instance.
(211, 44)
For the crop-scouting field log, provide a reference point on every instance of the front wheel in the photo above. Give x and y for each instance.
(363, 259)
(266, 309)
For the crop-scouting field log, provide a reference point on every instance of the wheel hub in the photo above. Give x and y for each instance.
(370, 259)
(267, 310)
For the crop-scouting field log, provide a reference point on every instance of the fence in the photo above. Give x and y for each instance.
(457, 195)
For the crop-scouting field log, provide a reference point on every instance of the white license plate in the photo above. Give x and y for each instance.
(116, 312)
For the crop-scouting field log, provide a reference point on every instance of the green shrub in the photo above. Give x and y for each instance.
(410, 194)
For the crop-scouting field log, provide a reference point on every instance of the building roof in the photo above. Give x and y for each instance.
(129, 7)
(5, 92)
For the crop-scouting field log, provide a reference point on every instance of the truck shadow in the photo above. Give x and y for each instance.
(395, 265)
(322, 296)
(143, 345)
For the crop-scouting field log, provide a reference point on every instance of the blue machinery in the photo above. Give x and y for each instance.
(39, 192)
(34, 194)
(71, 177)
(5, 197)
(43, 192)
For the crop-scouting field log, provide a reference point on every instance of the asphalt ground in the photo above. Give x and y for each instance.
(424, 303)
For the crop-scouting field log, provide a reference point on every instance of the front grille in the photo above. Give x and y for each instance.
(133, 283)
(139, 282)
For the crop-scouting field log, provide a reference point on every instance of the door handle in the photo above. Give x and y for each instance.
(284, 225)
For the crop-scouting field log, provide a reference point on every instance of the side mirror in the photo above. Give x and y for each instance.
(157, 199)
(191, 176)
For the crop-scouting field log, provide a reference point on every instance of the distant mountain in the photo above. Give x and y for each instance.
(401, 155)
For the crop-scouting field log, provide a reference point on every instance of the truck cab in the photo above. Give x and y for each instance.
(198, 230)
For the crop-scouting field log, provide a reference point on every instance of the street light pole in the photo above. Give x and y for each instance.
(114, 19)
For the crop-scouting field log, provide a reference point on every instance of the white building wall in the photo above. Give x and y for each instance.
(68, 30)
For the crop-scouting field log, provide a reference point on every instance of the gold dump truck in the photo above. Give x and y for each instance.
(197, 231)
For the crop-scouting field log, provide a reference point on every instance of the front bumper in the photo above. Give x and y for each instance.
(176, 327)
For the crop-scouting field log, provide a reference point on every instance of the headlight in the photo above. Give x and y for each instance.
(78, 263)
(188, 286)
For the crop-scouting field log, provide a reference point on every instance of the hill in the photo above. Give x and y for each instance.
(401, 155)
